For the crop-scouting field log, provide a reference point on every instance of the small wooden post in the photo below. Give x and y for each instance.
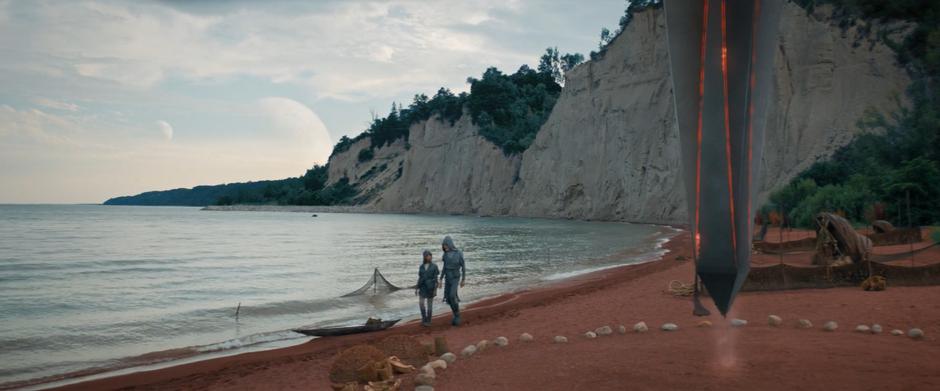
(237, 309)
(780, 234)
(909, 226)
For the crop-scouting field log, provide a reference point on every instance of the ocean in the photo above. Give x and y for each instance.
(89, 288)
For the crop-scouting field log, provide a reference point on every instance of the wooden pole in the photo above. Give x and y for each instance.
(237, 309)
(909, 226)
(780, 234)
(697, 308)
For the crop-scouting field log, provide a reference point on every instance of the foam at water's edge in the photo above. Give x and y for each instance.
(657, 253)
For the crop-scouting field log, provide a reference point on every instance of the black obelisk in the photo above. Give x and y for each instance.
(721, 54)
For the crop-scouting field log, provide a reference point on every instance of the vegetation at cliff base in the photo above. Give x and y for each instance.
(873, 176)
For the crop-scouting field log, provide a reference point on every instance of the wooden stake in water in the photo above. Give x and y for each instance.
(237, 309)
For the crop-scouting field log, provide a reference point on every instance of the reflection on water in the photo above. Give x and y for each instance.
(87, 286)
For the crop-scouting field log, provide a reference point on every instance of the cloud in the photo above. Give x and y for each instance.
(165, 129)
(374, 43)
(54, 104)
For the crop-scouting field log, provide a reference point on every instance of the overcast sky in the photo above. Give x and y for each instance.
(102, 98)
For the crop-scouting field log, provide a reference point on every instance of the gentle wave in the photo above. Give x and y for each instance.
(90, 289)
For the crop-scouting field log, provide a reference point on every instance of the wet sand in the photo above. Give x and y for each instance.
(756, 356)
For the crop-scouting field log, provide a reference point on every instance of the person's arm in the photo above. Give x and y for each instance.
(463, 270)
(418, 284)
(440, 281)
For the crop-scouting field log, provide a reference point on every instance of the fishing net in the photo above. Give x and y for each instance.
(377, 285)
(897, 236)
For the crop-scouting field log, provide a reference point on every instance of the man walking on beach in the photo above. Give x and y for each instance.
(454, 273)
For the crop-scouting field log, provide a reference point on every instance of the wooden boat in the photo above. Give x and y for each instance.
(370, 326)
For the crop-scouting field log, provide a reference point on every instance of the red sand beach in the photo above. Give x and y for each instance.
(756, 356)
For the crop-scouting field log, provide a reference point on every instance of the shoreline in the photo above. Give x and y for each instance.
(757, 356)
(95, 374)
(290, 208)
(484, 308)
(366, 209)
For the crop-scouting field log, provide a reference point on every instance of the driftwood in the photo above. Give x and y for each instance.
(836, 239)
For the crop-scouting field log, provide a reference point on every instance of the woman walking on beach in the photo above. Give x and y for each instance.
(454, 273)
(426, 288)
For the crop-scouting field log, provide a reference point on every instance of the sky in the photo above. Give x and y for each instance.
(108, 98)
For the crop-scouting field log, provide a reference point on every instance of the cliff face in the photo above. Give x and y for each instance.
(610, 149)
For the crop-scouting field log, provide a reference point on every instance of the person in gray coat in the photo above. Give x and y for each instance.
(454, 273)
(426, 288)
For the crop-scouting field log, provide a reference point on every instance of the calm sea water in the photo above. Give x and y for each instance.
(110, 286)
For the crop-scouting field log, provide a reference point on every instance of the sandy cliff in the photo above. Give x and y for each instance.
(609, 151)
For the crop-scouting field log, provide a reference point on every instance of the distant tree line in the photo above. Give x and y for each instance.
(873, 176)
(309, 189)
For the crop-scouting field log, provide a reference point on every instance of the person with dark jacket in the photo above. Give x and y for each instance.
(454, 273)
(426, 288)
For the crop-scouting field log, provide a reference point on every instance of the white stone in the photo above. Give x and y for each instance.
(876, 328)
(670, 327)
(622, 329)
(501, 341)
(526, 337)
(424, 388)
(560, 339)
(449, 357)
(774, 321)
(590, 335)
(897, 332)
(468, 351)
(830, 326)
(915, 333)
(641, 327)
(427, 371)
(425, 378)
(863, 328)
(738, 322)
(482, 345)
(805, 324)
(604, 330)
(438, 364)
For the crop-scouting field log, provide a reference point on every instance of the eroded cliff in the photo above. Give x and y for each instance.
(610, 151)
